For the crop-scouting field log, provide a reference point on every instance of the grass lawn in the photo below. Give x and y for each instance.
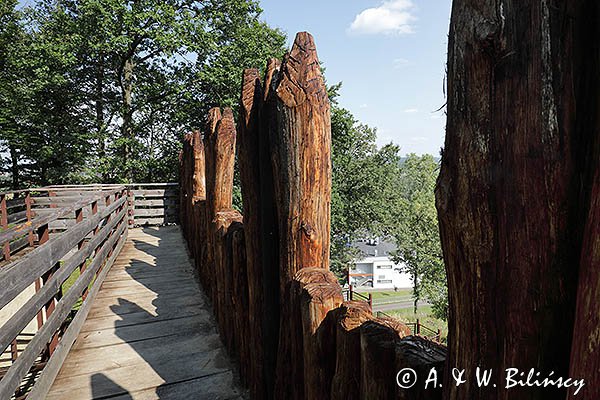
(390, 296)
(424, 315)
(71, 281)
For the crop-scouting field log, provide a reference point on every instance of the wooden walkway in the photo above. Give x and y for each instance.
(150, 333)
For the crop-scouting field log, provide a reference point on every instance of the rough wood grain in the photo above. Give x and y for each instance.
(319, 302)
(514, 187)
(346, 381)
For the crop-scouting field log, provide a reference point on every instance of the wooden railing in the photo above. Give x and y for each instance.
(148, 203)
(40, 254)
(280, 310)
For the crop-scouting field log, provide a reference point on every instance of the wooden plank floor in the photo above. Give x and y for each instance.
(150, 333)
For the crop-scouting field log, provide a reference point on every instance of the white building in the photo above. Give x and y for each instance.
(375, 269)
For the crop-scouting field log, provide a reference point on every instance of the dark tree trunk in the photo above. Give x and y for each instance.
(127, 114)
(14, 161)
(514, 189)
(100, 111)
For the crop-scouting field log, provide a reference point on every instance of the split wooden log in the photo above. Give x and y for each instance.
(236, 252)
(219, 144)
(319, 303)
(290, 360)
(300, 136)
(301, 146)
(250, 177)
(223, 304)
(269, 234)
(346, 381)
(514, 190)
(378, 339)
(420, 355)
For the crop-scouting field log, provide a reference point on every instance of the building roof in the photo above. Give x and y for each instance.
(374, 247)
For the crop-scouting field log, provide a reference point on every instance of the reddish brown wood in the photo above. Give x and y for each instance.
(300, 134)
(514, 187)
(318, 304)
(346, 381)
(269, 233)
(249, 167)
(4, 224)
(302, 160)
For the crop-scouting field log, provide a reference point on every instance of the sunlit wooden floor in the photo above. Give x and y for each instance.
(150, 333)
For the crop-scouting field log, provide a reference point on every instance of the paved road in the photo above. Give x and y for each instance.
(396, 306)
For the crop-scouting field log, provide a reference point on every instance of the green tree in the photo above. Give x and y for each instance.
(362, 187)
(417, 234)
(108, 87)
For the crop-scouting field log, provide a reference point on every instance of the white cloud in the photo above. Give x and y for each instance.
(400, 62)
(391, 17)
(419, 139)
(363, 106)
(411, 110)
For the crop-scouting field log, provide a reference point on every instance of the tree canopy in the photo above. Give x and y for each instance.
(106, 88)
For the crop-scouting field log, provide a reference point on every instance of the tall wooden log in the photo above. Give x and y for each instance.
(199, 175)
(248, 158)
(269, 233)
(219, 144)
(302, 160)
(514, 189)
(300, 136)
(319, 302)
(346, 381)
(236, 252)
(378, 341)
(223, 304)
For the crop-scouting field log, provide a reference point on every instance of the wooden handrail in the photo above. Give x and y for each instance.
(27, 312)
(12, 279)
(29, 226)
(109, 229)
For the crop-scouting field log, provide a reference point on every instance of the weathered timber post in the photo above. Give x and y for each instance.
(515, 196)
(346, 381)
(220, 158)
(318, 302)
(249, 137)
(269, 232)
(236, 253)
(378, 339)
(300, 135)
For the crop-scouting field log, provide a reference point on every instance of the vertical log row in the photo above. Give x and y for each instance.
(278, 306)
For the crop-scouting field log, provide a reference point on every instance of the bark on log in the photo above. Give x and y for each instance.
(378, 341)
(421, 355)
(199, 177)
(319, 302)
(346, 381)
(514, 187)
(248, 158)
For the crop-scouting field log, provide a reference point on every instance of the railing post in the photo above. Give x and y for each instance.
(418, 327)
(351, 293)
(4, 224)
(371, 301)
(130, 206)
(44, 236)
(29, 215)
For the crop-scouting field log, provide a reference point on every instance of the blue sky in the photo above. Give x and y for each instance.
(390, 56)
